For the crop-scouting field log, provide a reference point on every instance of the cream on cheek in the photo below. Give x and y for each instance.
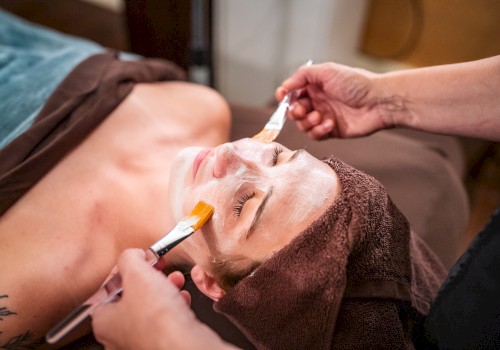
(226, 227)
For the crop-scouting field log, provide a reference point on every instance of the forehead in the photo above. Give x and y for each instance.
(252, 148)
(305, 187)
(306, 182)
(297, 201)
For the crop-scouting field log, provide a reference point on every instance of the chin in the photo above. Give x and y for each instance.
(182, 166)
(181, 178)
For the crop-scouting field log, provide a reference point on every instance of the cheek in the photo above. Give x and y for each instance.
(214, 238)
(217, 195)
(217, 227)
(194, 194)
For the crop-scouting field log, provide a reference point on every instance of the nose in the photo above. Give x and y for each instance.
(229, 161)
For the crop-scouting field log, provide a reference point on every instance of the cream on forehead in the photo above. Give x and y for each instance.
(300, 189)
(303, 191)
(314, 192)
(314, 187)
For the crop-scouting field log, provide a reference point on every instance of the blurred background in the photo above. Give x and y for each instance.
(246, 48)
(249, 47)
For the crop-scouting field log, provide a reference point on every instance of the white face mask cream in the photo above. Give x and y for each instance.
(238, 178)
(182, 168)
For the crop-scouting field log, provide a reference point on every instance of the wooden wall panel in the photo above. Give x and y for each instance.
(430, 32)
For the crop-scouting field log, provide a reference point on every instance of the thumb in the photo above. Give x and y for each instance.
(305, 74)
(103, 318)
(297, 80)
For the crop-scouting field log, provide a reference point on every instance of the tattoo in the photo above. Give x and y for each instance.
(394, 103)
(23, 341)
(3, 310)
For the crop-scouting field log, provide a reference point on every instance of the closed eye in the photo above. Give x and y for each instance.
(240, 203)
(276, 153)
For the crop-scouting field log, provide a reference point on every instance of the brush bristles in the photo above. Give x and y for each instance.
(266, 135)
(202, 212)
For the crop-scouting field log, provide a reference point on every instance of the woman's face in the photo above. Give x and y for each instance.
(263, 195)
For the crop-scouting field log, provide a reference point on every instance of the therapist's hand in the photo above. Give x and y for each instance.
(335, 101)
(152, 313)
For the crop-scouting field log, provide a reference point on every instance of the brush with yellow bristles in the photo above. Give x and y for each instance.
(277, 121)
(200, 214)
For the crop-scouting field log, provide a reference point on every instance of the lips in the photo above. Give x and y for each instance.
(198, 159)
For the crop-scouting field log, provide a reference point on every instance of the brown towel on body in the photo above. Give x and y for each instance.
(79, 104)
(345, 282)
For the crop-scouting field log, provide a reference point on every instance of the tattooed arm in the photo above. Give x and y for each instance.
(24, 340)
(41, 282)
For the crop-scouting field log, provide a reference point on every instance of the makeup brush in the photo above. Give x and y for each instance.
(200, 214)
(277, 121)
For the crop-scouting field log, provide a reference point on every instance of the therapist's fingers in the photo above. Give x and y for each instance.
(107, 287)
(322, 131)
(134, 261)
(103, 322)
(150, 313)
(178, 280)
(139, 278)
(186, 296)
(146, 291)
(134, 265)
(297, 80)
(299, 109)
(295, 94)
(280, 93)
(305, 75)
(106, 327)
(310, 121)
(296, 111)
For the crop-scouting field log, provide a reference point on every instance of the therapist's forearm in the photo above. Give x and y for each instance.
(460, 99)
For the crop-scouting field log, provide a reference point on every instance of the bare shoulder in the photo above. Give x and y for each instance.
(192, 108)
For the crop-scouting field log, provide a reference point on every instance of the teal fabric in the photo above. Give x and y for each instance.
(33, 61)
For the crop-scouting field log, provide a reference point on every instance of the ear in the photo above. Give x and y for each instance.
(206, 283)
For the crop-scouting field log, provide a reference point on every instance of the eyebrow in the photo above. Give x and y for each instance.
(259, 212)
(262, 205)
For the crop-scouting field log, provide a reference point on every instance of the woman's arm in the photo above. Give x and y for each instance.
(459, 99)
(339, 101)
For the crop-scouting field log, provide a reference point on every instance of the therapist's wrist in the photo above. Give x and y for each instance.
(393, 104)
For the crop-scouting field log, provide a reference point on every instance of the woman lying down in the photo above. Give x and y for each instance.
(300, 253)
(292, 237)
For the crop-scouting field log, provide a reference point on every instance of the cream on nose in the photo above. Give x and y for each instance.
(226, 162)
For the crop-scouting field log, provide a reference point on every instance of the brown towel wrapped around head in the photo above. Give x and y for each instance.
(344, 282)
